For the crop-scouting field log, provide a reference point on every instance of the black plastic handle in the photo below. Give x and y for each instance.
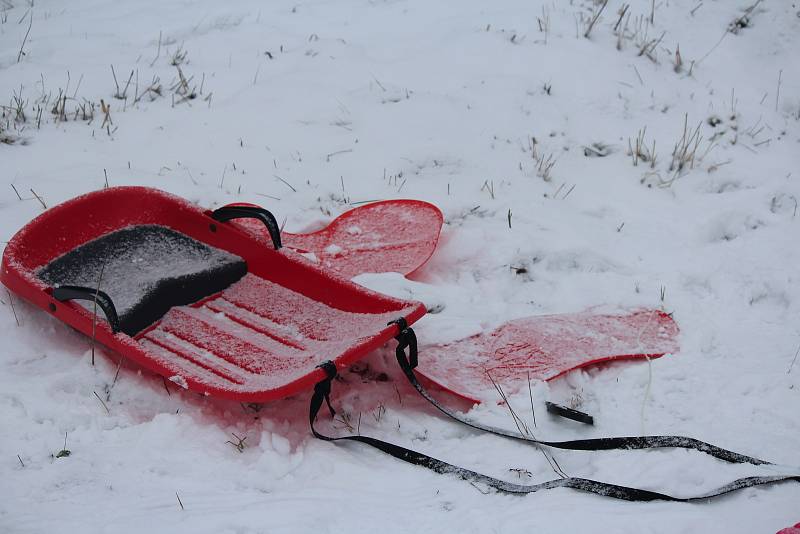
(102, 299)
(226, 213)
(569, 413)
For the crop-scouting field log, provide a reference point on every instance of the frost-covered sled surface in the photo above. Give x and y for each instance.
(525, 133)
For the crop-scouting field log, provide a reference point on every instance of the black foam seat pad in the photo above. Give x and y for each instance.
(146, 270)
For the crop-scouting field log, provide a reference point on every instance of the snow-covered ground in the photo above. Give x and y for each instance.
(521, 128)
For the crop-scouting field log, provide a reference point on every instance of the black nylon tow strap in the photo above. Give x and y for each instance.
(407, 339)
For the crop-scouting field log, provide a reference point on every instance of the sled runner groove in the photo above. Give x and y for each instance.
(196, 356)
(237, 349)
(248, 319)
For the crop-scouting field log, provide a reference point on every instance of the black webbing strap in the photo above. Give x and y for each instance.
(322, 391)
(407, 339)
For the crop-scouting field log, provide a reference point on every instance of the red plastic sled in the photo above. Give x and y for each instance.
(386, 236)
(544, 347)
(194, 298)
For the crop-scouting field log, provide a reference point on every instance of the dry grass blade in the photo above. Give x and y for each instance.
(25, 39)
(685, 149)
(648, 47)
(101, 402)
(94, 311)
(290, 186)
(551, 460)
(106, 109)
(17, 192)
(13, 309)
(121, 95)
(520, 424)
(622, 13)
(240, 442)
(39, 199)
(488, 187)
(530, 393)
(639, 151)
(116, 375)
(544, 162)
(158, 53)
(794, 360)
(594, 19)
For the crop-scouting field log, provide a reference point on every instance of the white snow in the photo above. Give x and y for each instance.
(178, 379)
(518, 127)
(310, 256)
(333, 249)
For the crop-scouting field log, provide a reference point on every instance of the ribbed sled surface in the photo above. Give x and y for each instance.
(256, 335)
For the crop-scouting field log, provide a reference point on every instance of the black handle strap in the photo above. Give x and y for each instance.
(62, 293)
(407, 339)
(226, 213)
(322, 390)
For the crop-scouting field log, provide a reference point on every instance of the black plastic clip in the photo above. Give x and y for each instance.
(569, 413)
(323, 387)
(406, 337)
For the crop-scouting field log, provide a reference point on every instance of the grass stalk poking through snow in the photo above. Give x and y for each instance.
(523, 428)
(685, 150)
(63, 453)
(101, 402)
(13, 309)
(593, 21)
(25, 39)
(639, 150)
(94, 311)
(794, 360)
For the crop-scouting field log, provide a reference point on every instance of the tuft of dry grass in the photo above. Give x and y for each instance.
(65, 105)
(544, 162)
(639, 151)
(685, 150)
